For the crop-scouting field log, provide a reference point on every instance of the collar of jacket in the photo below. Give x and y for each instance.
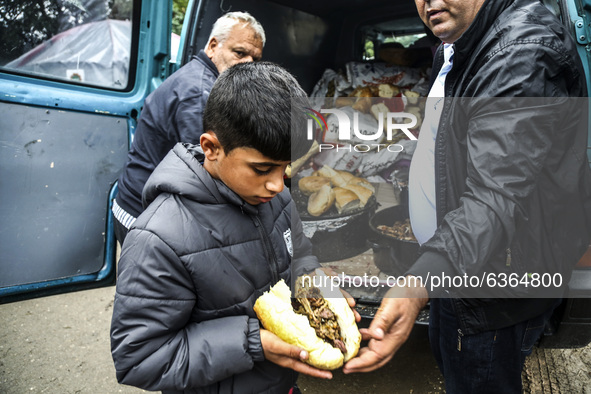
(202, 57)
(463, 47)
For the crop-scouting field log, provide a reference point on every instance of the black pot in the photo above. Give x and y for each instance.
(336, 236)
(391, 255)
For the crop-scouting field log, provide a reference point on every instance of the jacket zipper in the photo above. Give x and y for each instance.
(508, 260)
(460, 335)
(269, 252)
(441, 189)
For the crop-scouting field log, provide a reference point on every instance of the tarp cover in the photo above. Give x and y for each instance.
(95, 53)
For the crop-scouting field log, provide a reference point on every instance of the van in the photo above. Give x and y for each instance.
(73, 77)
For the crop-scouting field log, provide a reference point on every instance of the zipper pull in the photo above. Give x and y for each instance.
(460, 335)
(508, 261)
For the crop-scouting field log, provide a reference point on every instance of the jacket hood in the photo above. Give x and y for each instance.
(181, 173)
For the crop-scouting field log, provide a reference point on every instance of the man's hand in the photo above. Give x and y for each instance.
(352, 303)
(289, 356)
(390, 327)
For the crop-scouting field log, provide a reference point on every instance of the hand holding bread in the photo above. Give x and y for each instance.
(318, 321)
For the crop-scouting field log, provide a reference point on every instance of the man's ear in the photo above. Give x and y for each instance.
(211, 45)
(211, 145)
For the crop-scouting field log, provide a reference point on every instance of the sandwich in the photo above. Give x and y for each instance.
(317, 320)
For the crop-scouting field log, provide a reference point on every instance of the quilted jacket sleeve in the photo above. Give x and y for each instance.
(154, 343)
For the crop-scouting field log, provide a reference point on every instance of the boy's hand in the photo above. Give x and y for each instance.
(289, 356)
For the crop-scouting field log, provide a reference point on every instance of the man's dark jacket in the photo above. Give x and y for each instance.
(191, 268)
(513, 185)
(172, 113)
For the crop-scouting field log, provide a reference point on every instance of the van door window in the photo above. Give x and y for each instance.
(78, 41)
(402, 41)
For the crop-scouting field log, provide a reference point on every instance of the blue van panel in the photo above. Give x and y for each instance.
(58, 169)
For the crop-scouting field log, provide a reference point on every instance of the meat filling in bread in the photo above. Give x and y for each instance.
(309, 302)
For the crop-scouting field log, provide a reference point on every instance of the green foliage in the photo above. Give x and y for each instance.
(369, 50)
(179, 8)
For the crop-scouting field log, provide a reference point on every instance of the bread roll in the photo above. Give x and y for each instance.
(363, 104)
(363, 182)
(274, 310)
(325, 171)
(345, 200)
(362, 193)
(344, 101)
(321, 201)
(345, 175)
(311, 184)
(337, 178)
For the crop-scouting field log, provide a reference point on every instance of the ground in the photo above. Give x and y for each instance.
(60, 344)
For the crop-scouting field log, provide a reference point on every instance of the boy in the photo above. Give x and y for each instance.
(214, 238)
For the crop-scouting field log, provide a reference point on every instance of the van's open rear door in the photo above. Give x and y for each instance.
(73, 77)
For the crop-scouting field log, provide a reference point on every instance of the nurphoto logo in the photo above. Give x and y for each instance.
(347, 132)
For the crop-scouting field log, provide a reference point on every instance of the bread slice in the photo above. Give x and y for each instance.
(311, 184)
(363, 182)
(345, 200)
(346, 176)
(321, 201)
(337, 178)
(362, 193)
(325, 171)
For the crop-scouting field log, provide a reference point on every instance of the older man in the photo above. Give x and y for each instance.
(173, 112)
(497, 185)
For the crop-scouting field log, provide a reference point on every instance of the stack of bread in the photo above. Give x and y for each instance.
(364, 99)
(327, 187)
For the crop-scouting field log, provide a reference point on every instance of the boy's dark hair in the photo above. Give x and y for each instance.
(259, 105)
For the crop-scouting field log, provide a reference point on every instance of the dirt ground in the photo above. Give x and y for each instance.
(60, 344)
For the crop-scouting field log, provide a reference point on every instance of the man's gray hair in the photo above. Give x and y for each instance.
(223, 26)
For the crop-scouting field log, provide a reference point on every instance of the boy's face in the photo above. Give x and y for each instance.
(254, 177)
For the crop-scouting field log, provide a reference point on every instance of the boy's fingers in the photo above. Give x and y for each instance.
(315, 372)
(298, 356)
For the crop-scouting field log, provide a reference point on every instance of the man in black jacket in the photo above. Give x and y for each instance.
(174, 112)
(500, 192)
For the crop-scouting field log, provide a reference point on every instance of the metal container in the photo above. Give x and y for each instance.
(392, 256)
(336, 236)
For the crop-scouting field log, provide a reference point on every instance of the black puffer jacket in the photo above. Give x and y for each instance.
(190, 271)
(514, 185)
